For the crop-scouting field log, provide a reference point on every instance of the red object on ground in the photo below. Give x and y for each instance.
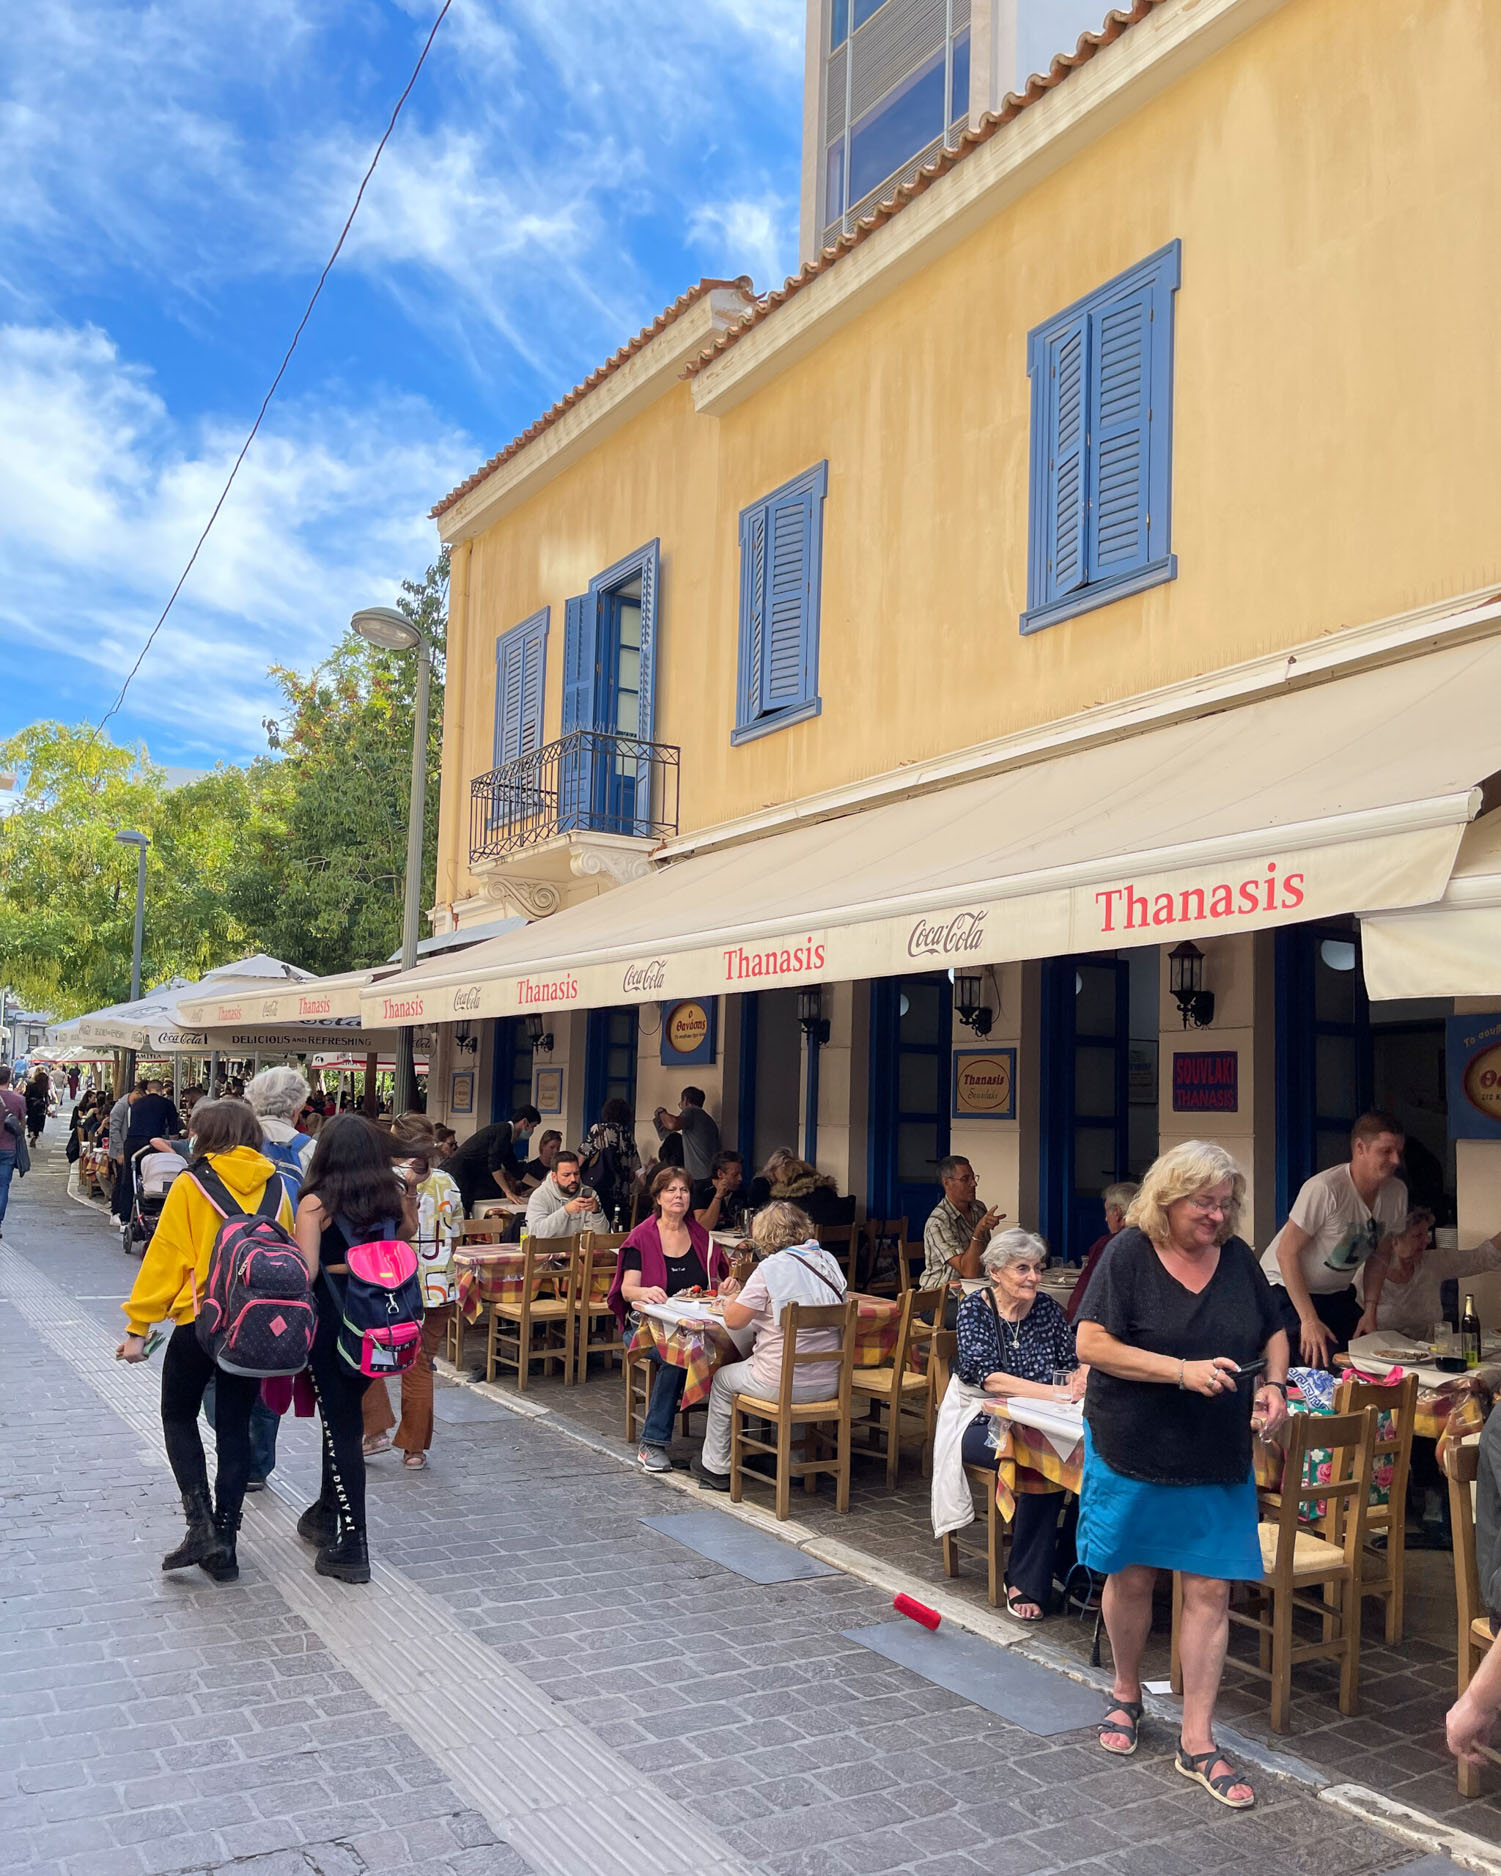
(919, 1611)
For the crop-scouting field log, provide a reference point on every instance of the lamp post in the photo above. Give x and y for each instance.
(394, 631)
(128, 838)
(815, 1027)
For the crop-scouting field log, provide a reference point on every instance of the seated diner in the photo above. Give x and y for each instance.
(667, 1253)
(1012, 1341)
(794, 1268)
(1410, 1301)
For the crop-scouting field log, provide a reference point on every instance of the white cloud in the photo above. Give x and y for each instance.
(757, 237)
(102, 496)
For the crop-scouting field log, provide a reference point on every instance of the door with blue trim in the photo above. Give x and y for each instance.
(1085, 1143)
(617, 707)
(610, 1052)
(911, 1063)
(510, 1067)
(1325, 1075)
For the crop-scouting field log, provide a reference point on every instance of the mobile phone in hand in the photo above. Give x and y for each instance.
(1250, 1367)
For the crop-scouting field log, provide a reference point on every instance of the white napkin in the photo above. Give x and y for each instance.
(1061, 1423)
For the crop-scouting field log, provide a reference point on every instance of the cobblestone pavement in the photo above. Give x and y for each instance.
(535, 1682)
(1395, 1745)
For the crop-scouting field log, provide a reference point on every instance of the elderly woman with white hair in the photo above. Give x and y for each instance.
(1012, 1340)
(1184, 1341)
(278, 1096)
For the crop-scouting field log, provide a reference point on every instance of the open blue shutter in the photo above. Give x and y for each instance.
(533, 672)
(1067, 486)
(509, 652)
(1120, 406)
(576, 768)
(651, 582)
(789, 565)
(752, 610)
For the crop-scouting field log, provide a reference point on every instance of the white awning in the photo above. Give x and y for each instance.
(1453, 948)
(317, 999)
(1346, 796)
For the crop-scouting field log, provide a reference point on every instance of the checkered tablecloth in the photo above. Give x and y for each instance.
(700, 1350)
(494, 1275)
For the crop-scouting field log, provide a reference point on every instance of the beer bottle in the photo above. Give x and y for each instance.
(1469, 1334)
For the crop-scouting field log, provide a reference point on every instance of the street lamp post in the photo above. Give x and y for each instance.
(394, 631)
(140, 842)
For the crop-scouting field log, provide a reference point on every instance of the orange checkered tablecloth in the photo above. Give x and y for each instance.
(702, 1349)
(494, 1275)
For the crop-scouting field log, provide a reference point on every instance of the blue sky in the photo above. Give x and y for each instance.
(175, 176)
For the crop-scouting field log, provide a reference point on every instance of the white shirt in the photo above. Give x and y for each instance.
(1343, 1229)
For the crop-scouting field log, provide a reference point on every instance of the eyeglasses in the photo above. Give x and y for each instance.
(1209, 1208)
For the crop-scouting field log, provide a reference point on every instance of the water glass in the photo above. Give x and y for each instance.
(1441, 1338)
(1063, 1383)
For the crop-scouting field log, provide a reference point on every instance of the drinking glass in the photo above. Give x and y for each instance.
(1441, 1338)
(1063, 1383)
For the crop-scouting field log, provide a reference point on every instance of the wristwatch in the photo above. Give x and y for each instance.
(1281, 1387)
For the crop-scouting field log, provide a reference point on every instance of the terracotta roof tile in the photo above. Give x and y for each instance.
(611, 365)
(1118, 21)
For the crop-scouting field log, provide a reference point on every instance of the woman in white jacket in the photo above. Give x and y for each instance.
(794, 1268)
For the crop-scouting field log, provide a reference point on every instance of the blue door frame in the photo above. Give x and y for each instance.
(510, 1067)
(892, 1190)
(1314, 1033)
(1070, 1215)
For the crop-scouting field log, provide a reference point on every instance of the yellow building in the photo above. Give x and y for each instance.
(1096, 552)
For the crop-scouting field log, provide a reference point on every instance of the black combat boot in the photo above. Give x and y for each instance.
(202, 1540)
(347, 1557)
(319, 1524)
(224, 1566)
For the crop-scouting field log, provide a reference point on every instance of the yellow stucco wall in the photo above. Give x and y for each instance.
(1333, 177)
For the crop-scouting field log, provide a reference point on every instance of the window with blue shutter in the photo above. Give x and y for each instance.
(520, 668)
(1102, 442)
(781, 546)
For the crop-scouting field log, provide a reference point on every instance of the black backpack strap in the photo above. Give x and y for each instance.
(215, 1191)
(270, 1204)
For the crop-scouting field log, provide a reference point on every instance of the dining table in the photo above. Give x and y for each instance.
(494, 1273)
(688, 1332)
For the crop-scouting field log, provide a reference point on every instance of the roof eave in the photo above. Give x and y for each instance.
(1011, 154)
(619, 392)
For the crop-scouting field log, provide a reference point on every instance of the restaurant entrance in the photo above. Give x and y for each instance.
(1337, 1055)
(771, 1046)
(911, 1059)
(609, 1060)
(510, 1067)
(1099, 1090)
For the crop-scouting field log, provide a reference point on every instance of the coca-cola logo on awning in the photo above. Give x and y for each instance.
(964, 931)
(466, 999)
(644, 979)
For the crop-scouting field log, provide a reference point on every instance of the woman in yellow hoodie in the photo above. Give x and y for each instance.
(172, 1278)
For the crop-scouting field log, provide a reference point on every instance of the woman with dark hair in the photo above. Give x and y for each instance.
(352, 1195)
(610, 1157)
(38, 1099)
(670, 1252)
(173, 1275)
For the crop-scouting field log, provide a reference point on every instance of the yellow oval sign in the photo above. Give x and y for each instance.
(687, 1027)
(1482, 1081)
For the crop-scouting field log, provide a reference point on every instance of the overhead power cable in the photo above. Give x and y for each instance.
(280, 373)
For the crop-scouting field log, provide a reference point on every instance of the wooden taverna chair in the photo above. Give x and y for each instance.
(784, 1415)
(901, 1390)
(1384, 1570)
(1462, 1465)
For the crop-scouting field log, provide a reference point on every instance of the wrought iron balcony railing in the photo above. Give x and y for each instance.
(586, 782)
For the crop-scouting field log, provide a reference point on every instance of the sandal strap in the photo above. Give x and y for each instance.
(1200, 1762)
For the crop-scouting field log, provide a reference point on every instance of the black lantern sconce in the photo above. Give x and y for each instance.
(538, 1036)
(464, 1040)
(968, 1007)
(810, 1016)
(1185, 978)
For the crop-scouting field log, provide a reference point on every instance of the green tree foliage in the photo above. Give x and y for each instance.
(68, 888)
(301, 853)
(319, 877)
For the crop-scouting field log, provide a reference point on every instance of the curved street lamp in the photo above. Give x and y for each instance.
(391, 630)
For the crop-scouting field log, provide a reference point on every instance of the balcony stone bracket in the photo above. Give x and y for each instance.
(552, 866)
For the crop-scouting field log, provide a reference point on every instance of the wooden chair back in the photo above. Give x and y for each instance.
(491, 1230)
(880, 1235)
(909, 1255)
(1462, 1464)
(1346, 1494)
(839, 1242)
(1354, 1395)
(921, 1321)
(944, 1352)
(801, 1319)
(597, 1251)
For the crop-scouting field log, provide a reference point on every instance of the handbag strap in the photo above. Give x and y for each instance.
(833, 1287)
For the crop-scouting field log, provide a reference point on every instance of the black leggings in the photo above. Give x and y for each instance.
(186, 1372)
(341, 1396)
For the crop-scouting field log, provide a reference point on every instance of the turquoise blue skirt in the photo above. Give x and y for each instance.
(1207, 1530)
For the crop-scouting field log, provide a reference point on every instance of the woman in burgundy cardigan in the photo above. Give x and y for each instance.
(667, 1253)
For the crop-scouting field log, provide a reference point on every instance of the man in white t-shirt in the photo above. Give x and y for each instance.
(1341, 1223)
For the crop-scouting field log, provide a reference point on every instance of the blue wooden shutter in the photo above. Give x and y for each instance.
(1067, 442)
(752, 611)
(576, 769)
(1120, 408)
(788, 573)
(651, 584)
(533, 679)
(507, 699)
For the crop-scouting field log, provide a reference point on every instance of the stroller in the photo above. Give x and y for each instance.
(152, 1173)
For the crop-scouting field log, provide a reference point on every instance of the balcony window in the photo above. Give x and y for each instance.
(959, 90)
(839, 23)
(834, 183)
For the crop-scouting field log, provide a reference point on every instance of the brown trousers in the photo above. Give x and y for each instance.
(415, 1434)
